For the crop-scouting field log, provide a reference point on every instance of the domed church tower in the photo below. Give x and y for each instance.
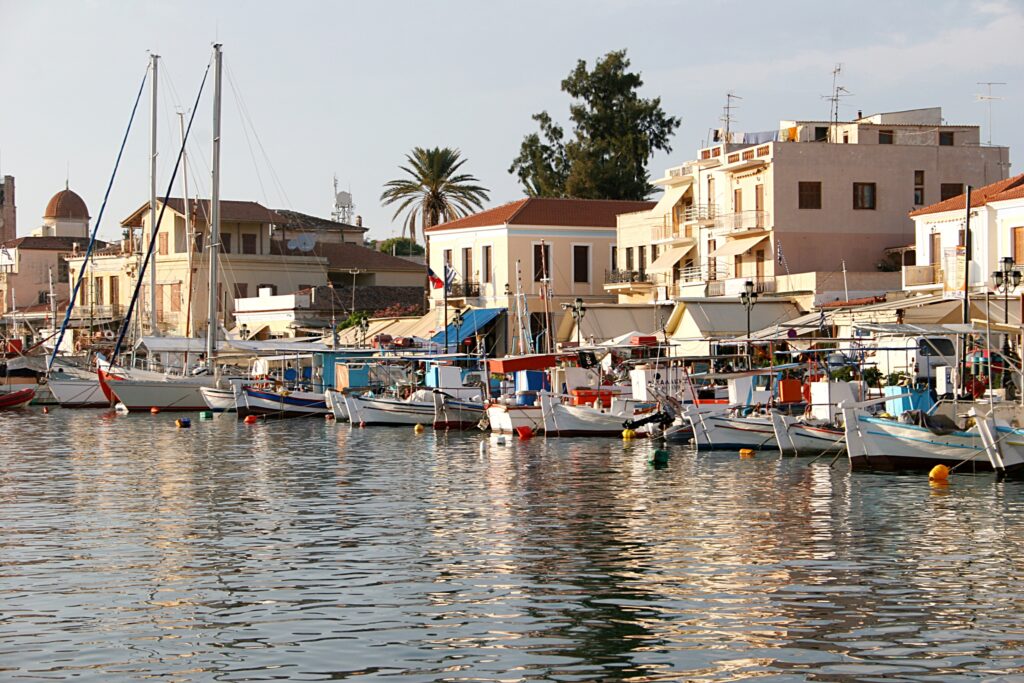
(66, 216)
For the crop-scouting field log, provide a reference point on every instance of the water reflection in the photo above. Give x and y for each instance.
(311, 549)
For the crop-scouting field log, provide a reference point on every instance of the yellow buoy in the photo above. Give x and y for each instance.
(418, 429)
(628, 434)
(939, 473)
(746, 452)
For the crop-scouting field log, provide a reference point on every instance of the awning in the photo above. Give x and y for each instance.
(669, 199)
(734, 247)
(666, 261)
(472, 320)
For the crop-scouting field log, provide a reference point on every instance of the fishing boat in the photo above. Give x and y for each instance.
(219, 400)
(802, 436)
(17, 399)
(336, 402)
(382, 411)
(451, 412)
(571, 418)
(279, 402)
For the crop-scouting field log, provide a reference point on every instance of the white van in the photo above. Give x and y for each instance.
(916, 356)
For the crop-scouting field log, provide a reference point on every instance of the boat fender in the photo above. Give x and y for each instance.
(746, 453)
(418, 429)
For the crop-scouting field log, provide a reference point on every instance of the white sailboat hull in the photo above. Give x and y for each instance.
(78, 393)
(167, 394)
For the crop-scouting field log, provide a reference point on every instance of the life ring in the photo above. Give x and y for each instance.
(108, 334)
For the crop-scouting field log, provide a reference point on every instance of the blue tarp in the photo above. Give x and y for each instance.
(472, 320)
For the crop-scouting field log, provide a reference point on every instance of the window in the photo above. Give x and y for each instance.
(43, 297)
(946, 138)
(737, 200)
(541, 261)
(809, 194)
(176, 297)
(83, 293)
(114, 298)
(467, 264)
(629, 258)
(654, 253)
(1018, 245)
(641, 259)
(580, 263)
(225, 243)
(918, 188)
(821, 133)
(950, 190)
(447, 257)
(62, 269)
(864, 196)
(936, 346)
(248, 244)
(885, 137)
(615, 258)
(97, 291)
(487, 275)
(159, 303)
(712, 261)
(161, 243)
(242, 290)
(199, 242)
(846, 138)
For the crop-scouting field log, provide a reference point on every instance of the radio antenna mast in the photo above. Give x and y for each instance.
(989, 98)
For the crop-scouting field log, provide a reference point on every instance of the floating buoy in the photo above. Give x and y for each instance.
(660, 457)
(249, 419)
(524, 432)
(206, 415)
(362, 425)
(183, 423)
(628, 434)
(45, 410)
(329, 416)
(154, 410)
(939, 473)
(483, 448)
(501, 439)
(747, 453)
(418, 429)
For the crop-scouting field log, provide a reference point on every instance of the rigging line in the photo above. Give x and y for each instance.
(163, 207)
(245, 134)
(96, 228)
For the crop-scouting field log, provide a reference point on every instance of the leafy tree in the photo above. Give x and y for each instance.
(615, 133)
(400, 246)
(435, 192)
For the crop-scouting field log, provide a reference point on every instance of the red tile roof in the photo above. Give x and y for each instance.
(345, 256)
(599, 213)
(232, 211)
(53, 243)
(1010, 188)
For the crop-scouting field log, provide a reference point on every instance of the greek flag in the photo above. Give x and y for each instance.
(449, 276)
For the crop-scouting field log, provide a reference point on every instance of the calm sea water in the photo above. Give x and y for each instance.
(307, 550)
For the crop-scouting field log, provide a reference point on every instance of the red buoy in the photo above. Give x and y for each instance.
(249, 419)
(524, 432)
(154, 410)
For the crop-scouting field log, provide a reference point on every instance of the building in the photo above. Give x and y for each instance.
(525, 246)
(299, 229)
(997, 232)
(807, 209)
(8, 210)
(350, 265)
(30, 265)
(248, 262)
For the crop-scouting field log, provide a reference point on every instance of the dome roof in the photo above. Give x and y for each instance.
(66, 204)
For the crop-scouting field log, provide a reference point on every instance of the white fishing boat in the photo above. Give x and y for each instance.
(562, 418)
(801, 436)
(335, 400)
(369, 410)
(277, 402)
(451, 412)
(918, 442)
(219, 400)
(506, 417)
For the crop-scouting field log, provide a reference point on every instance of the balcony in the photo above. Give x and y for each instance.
(628, 281)
(922, 276)
(84, 311)
(743, 221)
(464, 290)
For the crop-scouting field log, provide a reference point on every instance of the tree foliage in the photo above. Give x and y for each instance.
(400, 246)
(615, 133)
(434, 191)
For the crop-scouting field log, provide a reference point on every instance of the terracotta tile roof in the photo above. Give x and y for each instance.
(979, 196)
(549, 211)
(341, 256)
(303, 221)
(66, 204)
(231, 211)
(52, 243)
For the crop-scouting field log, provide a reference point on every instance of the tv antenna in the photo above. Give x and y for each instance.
(838, 93)
(989, 98)
(727, 117)
(343, 205)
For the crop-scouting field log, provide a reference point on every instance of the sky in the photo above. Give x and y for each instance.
(318, 89)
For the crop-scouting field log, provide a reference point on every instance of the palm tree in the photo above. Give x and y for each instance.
(434, 192)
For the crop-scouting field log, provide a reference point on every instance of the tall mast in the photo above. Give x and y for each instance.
(153, 227)
(189, 238)
(214, 245)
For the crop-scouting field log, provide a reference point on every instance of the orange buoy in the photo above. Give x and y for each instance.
(45, 410)
(524, 432)
(939, 474)
(746, 453)
(154, 410)
(249, 419)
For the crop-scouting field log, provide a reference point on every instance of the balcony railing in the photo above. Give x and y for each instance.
(915, 276)
(81, 311)
(462, 290)
(614, 277)
(743, 220)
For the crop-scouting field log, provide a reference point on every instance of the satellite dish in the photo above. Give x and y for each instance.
(305, 242)
(343, 199)
(293, 244)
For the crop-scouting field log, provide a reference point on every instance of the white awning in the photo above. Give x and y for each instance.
(666, 261)
(669, 199)
(734, 247)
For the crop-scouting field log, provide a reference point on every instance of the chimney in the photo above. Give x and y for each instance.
(860, 114)
(359, 221)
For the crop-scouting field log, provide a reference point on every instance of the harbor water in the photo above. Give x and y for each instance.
(309, 550)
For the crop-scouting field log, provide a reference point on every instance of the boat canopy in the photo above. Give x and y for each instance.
(472, 320)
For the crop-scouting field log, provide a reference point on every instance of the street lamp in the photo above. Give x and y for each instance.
(577, 310)
(1006, 279)
(457, 319)
(748, 297)
(354, 272)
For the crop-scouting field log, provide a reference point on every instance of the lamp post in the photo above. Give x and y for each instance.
(1006, 279)
(354, 272)
(364, 326)
(748, 297)
(457, 320)
(577, 310)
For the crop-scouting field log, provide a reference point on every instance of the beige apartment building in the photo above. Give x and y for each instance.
(807, 209)
(249, 262)
(563, 246)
